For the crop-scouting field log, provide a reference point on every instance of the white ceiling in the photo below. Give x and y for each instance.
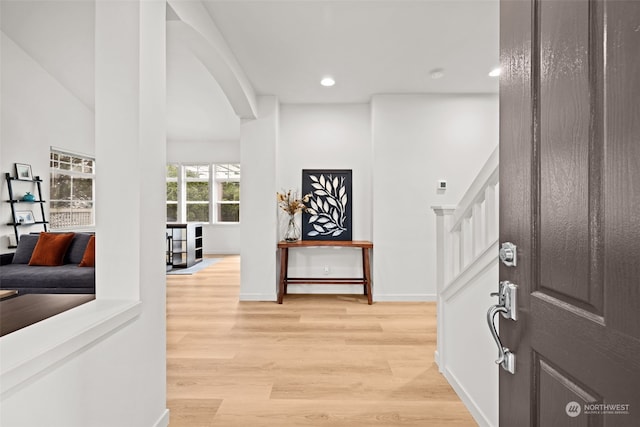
(285, 47)
(59, 36)
(369, 47)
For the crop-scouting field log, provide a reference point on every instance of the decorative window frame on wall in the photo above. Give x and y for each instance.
(80, 212)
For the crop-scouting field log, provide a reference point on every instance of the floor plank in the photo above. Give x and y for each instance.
(316, 360)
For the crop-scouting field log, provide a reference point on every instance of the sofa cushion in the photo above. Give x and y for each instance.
(51, 249)
(25, 248)
(77, 248)
(89, 258)
(69, 276)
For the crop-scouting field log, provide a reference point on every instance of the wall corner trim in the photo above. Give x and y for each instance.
(163, 421)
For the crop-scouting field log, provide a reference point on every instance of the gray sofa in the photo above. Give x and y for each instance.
(17, 274)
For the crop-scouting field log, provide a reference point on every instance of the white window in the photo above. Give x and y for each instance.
(227, 192)
(173, 171)
(197, 192)
(203, 193)
(72, 190)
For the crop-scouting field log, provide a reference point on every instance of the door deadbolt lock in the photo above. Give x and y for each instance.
(508, 254)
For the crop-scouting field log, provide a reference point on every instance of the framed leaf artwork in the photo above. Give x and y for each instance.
(328, 215)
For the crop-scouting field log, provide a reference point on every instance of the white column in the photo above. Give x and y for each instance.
(258, 209)
(130, 123)
(444, 267)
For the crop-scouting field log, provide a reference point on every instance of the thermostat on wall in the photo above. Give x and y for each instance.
(442, 184)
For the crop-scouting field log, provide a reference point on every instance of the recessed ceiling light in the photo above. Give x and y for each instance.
(436, 73)
(495, 72)
(327, 81)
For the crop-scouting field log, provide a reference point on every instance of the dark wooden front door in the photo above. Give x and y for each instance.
(570, 201)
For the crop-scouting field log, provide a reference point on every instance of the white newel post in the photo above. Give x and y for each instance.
(444, 268)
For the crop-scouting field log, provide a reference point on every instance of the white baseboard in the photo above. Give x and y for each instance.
(468, 401)
(163, 421)
(404, 297)
(258, 297)
(436, 358)
(376, 297)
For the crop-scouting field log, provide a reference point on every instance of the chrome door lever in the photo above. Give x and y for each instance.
(506, 358)
(507, 305)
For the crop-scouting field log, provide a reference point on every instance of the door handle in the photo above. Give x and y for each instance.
(506, 358)
(507, 305)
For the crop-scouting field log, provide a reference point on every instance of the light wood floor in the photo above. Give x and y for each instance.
(316, 360)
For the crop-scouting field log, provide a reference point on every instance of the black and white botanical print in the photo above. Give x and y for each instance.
(328, 215)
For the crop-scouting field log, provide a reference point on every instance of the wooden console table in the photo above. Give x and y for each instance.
(285, 280)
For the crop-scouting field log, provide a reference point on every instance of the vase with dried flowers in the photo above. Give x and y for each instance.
(292, 203)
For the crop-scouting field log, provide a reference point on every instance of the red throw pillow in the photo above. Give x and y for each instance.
(51, 248)
(89, 257)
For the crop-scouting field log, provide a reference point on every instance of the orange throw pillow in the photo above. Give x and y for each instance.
(51, 248)
(89, 257)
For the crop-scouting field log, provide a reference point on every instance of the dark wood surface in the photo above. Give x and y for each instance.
(569, 197)
(338, 243)
(24, 310)
(284, 280)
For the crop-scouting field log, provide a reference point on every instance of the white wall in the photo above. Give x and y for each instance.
(418, 139)
(120, 379)
(37, 112)
(469, 347)
(218, 238)
(327, 137)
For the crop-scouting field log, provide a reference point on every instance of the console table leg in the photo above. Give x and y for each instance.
(366, 265)
(284, 252)
(364, 271)
(286, 271)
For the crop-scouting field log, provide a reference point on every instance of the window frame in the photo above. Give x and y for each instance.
(215, 191)
(56, 170)
(185, 181)
(218, 191)
(177, 180)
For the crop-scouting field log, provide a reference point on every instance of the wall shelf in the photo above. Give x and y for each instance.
(13, 201)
